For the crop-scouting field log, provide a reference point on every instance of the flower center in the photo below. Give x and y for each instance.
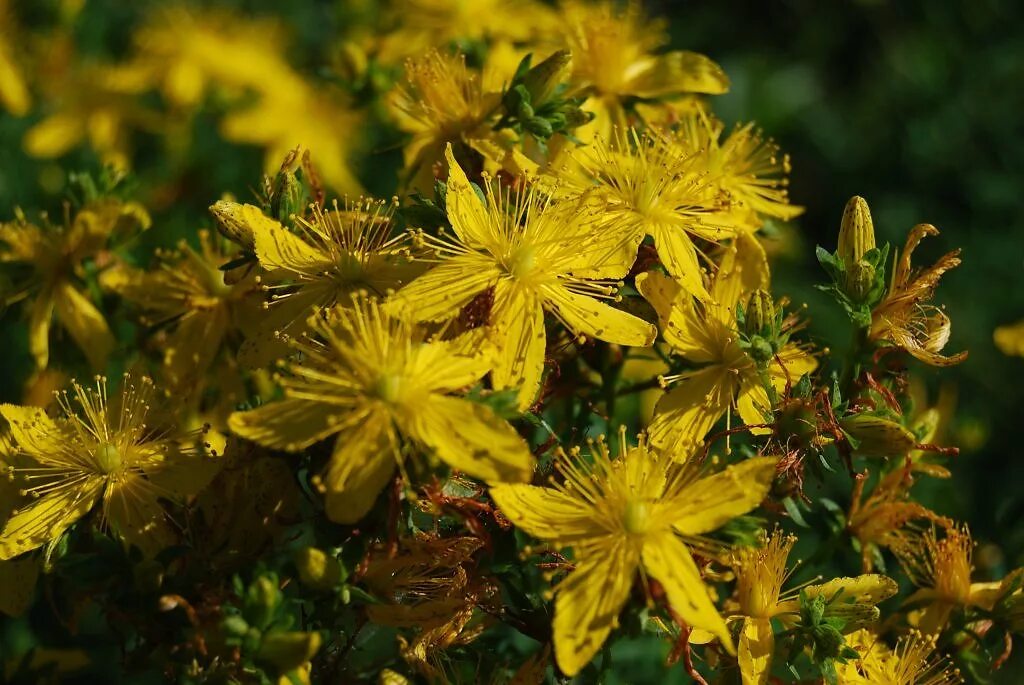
(523, 261)
(389, 387)
(637, 516)
(108, 458)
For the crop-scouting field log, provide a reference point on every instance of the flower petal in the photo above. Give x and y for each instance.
(691, 407)
(681, 326)
(440, 293)
(595, 319)
(466, 211)
(361, 465)
(588, 602)
(40, 315)
(45, 519)
(518, 321)
(289, 424)
(709, 503)
(546, 513)
(469, 437)
(86, 325)
(278, 248)
(744, 269)
(680, 71)
(668, 560)
(36, 434)
(679, 255)
(757, 643)
(138, 519)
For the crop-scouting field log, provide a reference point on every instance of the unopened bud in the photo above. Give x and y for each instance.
(317, 569)
(857, 231)
(389, 677)
(234, 626)
(234, 221)
(760, 312)
(876, 436)
(261, 601)
(288, 650)
(542, 79)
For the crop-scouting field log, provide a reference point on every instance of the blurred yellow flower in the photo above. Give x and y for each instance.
(1010, 339)
(55, 253)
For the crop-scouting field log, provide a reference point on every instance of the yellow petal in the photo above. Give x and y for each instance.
(744, 269)
(588, 602)
(440, 293)
(757, 643)
(289, 424)
(40, 316)
(711, 502)
(445, 366)
(520, 337)
(191, 349)
(1010, 339)
(753, 404)
(45, 519)
(691, 407)
(469, 437)
(546, 513)
(278, 248)
(35, 433)
(680, 71)
(679, 255)
(668, 560)
(17, 585)
(870, 588)
(795, 364)
(361, 465)
(136, 516)
(54, 136)
(86, 325)
(681, 326)
(595, 319)
(467, 213)
(13, 93)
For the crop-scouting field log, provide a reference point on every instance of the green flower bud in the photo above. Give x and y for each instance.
(234, 626)
(262, 600)
(317, 569)
(860, 276)
(288, 650)
(760, 313)
(542, 80)
(857, 231)
(539, 127)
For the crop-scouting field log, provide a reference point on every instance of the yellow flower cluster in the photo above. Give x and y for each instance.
(429, 373)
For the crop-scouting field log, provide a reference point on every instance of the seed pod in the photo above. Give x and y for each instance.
(288, 650)
(317, 569)
(875, 436)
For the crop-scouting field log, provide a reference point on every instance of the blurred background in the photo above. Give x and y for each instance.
(916, 106)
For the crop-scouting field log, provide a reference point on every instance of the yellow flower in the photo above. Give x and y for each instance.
(17, 576)
(100, 451)
(55, 254)
(652, 189)
(443, 102)
(760, 574)
(331, 255)
(750, 171)
(628, 514)
(613, 61)
(297, 113)
(942, 569)
(535, 255)
(424, 24)
(706, 334)
(904, 318)
(369, 379)
(187, 289)
(914, 661)
(1010, 339)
